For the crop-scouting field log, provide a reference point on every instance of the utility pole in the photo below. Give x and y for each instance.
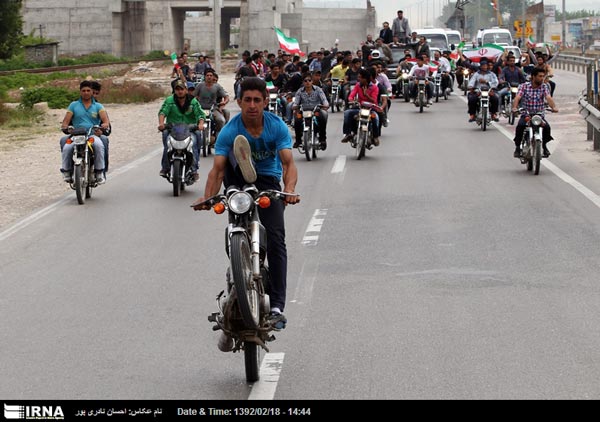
(564, 25)
(216, 6)
(524, 22)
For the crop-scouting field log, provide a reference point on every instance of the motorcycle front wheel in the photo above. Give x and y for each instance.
(245, 287)
(361, 144)
(88, 188)
(206, 140)
(176, 177)
(252, 361)
(537, 156)
(308, 146)
(79, 182)
(484, 119)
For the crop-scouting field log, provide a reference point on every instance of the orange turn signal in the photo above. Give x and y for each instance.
(69, 141)
(264, 202)
(299, 116)
(373, 115)
(219, 208)
(91, 140)
(528, 118)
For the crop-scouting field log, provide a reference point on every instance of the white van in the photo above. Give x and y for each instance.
(495, 35)
(454, 37)
(436, 37)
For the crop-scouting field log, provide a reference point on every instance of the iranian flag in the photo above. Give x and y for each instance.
(455, 54)
(288, 44)
(488, 51)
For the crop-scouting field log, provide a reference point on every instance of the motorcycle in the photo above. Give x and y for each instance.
(273, 106)
(531, 144)
(465, 83)
(437, 86)
(244, 306)
(403, 88)
(84, 178)
(336, 94)
(421, 100)
(209, 132)
(181, 156)
(310, 143)
(483, 117)
(508, 101)
(364, 138)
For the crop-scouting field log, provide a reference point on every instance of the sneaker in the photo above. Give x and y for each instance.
(243, 156)
(196, 176)
(323, 145)
(346, 138)
(495, 118)
(277, 320)
(163, 173)
(67, 177)
(545, 152)
(471, 118)
(517, 153)
(386, 122)
(100, 179)
(225, 343)
(376, 142)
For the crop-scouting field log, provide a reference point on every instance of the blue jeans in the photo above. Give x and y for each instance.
(166, 165)
(351, 124)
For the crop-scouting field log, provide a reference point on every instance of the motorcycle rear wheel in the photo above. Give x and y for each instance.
(79, 182)
(245, 287)
(252, 361)
(176, 177)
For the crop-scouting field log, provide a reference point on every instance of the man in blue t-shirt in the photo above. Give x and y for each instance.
(85, 112)
(265, 159)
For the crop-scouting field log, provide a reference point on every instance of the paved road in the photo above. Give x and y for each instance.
(436, 267)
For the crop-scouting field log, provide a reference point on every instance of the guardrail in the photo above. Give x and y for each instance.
(572, 63)
(589, 101)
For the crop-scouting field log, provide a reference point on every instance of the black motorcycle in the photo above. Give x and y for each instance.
(181, 155)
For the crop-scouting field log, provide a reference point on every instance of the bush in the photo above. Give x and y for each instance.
(55, 97)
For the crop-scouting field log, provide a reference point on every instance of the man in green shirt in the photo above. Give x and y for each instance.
(181, 107)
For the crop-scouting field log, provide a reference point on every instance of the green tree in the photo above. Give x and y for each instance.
(11, 26)
(576, 14)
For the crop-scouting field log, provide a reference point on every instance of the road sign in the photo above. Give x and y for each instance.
(518, 26)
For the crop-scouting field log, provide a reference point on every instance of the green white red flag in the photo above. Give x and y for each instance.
(288, 44)
(488, 51)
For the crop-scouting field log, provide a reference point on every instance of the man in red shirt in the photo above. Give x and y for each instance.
(364, 91)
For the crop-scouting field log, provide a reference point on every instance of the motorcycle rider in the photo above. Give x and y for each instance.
(444, 69)
(279, 80)
(420, 71)
(181, 107)
(351, 78)
(208, 93)
(510, 74)
(482, 78)
(261, 145)
(533, 94)
(85, 112)
(310, 96)
(364, 91)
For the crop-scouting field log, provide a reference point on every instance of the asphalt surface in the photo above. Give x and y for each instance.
(435, 268)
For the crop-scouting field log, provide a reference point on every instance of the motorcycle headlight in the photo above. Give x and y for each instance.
(79, 139)
(183, 144)
(240, 202)
(514, 90)
(465, 72)
(405, 76)
(364, 112)
(273, 96)
(307, 114)
(537, 120)
(485, 94)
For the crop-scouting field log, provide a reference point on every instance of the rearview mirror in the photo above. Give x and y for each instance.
(452, 47)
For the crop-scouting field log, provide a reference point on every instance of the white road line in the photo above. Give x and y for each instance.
(47, 210)
(270, 369)
(311, 235)
(588, 193)
(339, 165)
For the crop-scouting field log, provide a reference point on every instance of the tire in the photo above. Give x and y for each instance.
(420, 103)
(176, 177)
(511, 118)
(314, 148)
(241, 271)
(307, 141)
(361, 143)
(484, 119)
(537, 157)
(79, 182)
(437, 95)
(88, 188)
(252, 361)
(205, 141)
(406, 94)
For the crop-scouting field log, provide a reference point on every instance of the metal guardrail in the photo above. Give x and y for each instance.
(589, 101)
(572, 63)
